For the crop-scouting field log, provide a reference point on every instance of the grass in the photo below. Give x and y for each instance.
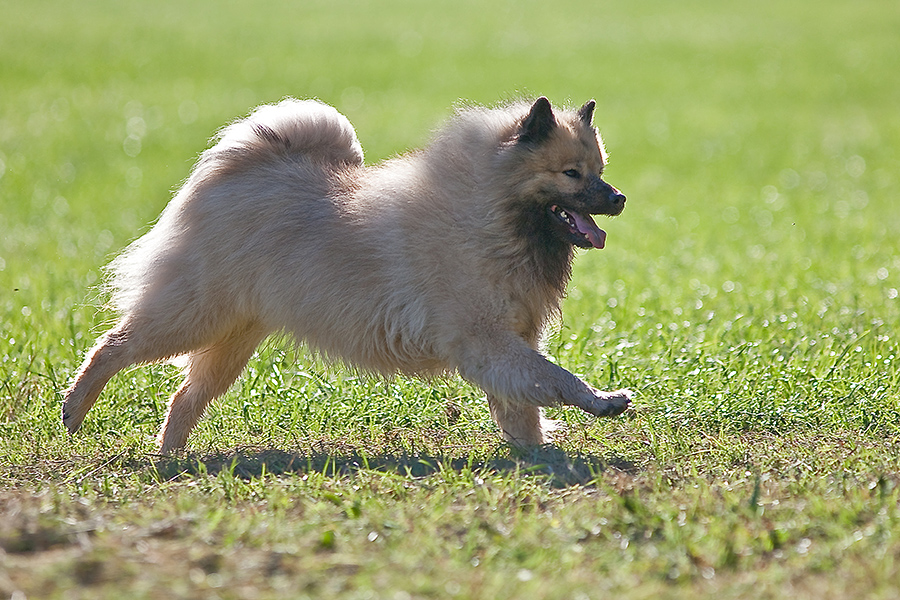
(749, 294)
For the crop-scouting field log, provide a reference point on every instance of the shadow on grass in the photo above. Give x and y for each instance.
(559, 468)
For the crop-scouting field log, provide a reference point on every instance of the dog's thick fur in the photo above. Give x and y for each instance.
(450, 258)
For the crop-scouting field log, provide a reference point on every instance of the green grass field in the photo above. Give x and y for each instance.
(749, 294)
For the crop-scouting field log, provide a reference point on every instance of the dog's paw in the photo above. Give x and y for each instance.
(605, 404)
(70, 421)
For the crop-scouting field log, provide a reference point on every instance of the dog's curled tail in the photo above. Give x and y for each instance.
(306, 127)
(307, 130)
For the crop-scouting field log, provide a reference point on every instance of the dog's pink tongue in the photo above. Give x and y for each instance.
(586, 225)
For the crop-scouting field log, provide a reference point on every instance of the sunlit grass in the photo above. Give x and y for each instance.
(748, 293)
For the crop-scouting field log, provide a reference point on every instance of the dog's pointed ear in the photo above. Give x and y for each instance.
(586, 112)
(539, 123)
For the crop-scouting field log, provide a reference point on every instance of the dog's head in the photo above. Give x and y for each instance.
(563, 159)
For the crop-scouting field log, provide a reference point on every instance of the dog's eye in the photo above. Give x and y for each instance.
(572, 173)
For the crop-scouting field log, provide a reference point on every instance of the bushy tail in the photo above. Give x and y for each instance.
(306, 127)
(291, 128)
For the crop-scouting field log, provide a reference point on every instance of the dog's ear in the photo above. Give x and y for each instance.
(539, 123)
(586, 112)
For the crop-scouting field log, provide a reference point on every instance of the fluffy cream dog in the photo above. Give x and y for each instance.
(450, 258)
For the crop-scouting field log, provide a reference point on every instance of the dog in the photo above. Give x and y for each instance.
(450, 258)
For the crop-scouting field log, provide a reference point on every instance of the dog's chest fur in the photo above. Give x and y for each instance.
(533, 291)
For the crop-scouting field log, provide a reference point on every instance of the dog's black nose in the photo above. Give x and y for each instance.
(614, 196)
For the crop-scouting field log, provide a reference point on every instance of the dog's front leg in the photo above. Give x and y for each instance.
(522, 425)
(519, 379)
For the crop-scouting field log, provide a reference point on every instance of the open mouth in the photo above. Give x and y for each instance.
(581, 229)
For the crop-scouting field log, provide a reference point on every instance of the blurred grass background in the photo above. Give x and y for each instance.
(757, 145)
(749, 293)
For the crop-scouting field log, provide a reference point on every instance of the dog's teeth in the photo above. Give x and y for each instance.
(568, 219)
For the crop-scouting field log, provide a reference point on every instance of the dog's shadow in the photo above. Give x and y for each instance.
(554, 465)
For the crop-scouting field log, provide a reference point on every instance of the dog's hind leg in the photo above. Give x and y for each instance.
(209, 374)
(134, 340)
(109, 356)
(127, 344)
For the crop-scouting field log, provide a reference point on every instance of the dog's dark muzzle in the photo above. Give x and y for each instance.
(605, 199)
